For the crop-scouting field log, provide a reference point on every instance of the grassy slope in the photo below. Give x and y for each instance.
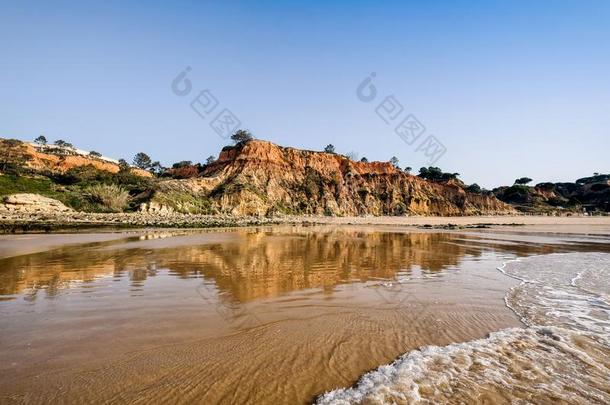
(13, 184)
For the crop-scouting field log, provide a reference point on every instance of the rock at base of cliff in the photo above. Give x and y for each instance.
(154, 207)
(32, 203)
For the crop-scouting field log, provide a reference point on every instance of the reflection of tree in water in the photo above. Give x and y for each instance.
(257, 264)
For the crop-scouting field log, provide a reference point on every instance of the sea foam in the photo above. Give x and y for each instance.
(562, 355)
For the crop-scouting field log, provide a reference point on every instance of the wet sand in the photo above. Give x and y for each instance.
(22, 244)
(584, 225)
(560, 356)
(578, 225)
(253, 315)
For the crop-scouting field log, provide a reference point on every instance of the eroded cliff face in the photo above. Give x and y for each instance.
(261, 178)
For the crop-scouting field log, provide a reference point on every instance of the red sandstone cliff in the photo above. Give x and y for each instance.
(260, 178)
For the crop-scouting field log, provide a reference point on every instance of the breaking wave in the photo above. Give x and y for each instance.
(562, 355)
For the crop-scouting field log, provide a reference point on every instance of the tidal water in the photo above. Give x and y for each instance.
(307, 314)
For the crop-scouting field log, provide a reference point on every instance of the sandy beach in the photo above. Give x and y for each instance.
(534, 223)
(305, 203)
(268, 314)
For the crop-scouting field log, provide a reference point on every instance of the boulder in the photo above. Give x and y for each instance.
(153, 207)
(32, 203)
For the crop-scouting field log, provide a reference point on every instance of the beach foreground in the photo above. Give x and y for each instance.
(295, 314)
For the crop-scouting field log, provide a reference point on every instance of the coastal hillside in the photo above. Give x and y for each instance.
(31, 174)
(261, 178)
(588, 194)
(56, 158)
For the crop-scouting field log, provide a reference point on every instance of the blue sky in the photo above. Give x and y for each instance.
(510, 89)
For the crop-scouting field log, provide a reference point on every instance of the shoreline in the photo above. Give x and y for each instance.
(50, 231)
(82, 222)
(532, 342)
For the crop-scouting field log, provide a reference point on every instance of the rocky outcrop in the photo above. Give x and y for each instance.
(155, 208)
(261, 178)
(32, 203)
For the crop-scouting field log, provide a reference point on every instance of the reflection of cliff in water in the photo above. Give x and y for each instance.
(253, 264)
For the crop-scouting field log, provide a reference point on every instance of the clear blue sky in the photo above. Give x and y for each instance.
(510, 88)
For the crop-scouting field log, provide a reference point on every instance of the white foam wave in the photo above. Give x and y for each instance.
(561, 356)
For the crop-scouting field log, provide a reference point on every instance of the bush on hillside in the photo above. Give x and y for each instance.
(596, 178)
(474, 188)
(185, 203)
(83, 175)
(433, 173)
(110, 196)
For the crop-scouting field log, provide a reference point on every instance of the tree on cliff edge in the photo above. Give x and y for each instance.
(330, 148)
(41, 140)
(142, 161)
(156, 168)
(523, 181)
(434, 173)
(123, 165)
(241, 135)
(63, 144)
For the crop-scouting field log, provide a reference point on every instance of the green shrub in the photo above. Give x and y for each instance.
(111, 197)
(474, 188)
(184, 203)
(11, 184)
(84, 176)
